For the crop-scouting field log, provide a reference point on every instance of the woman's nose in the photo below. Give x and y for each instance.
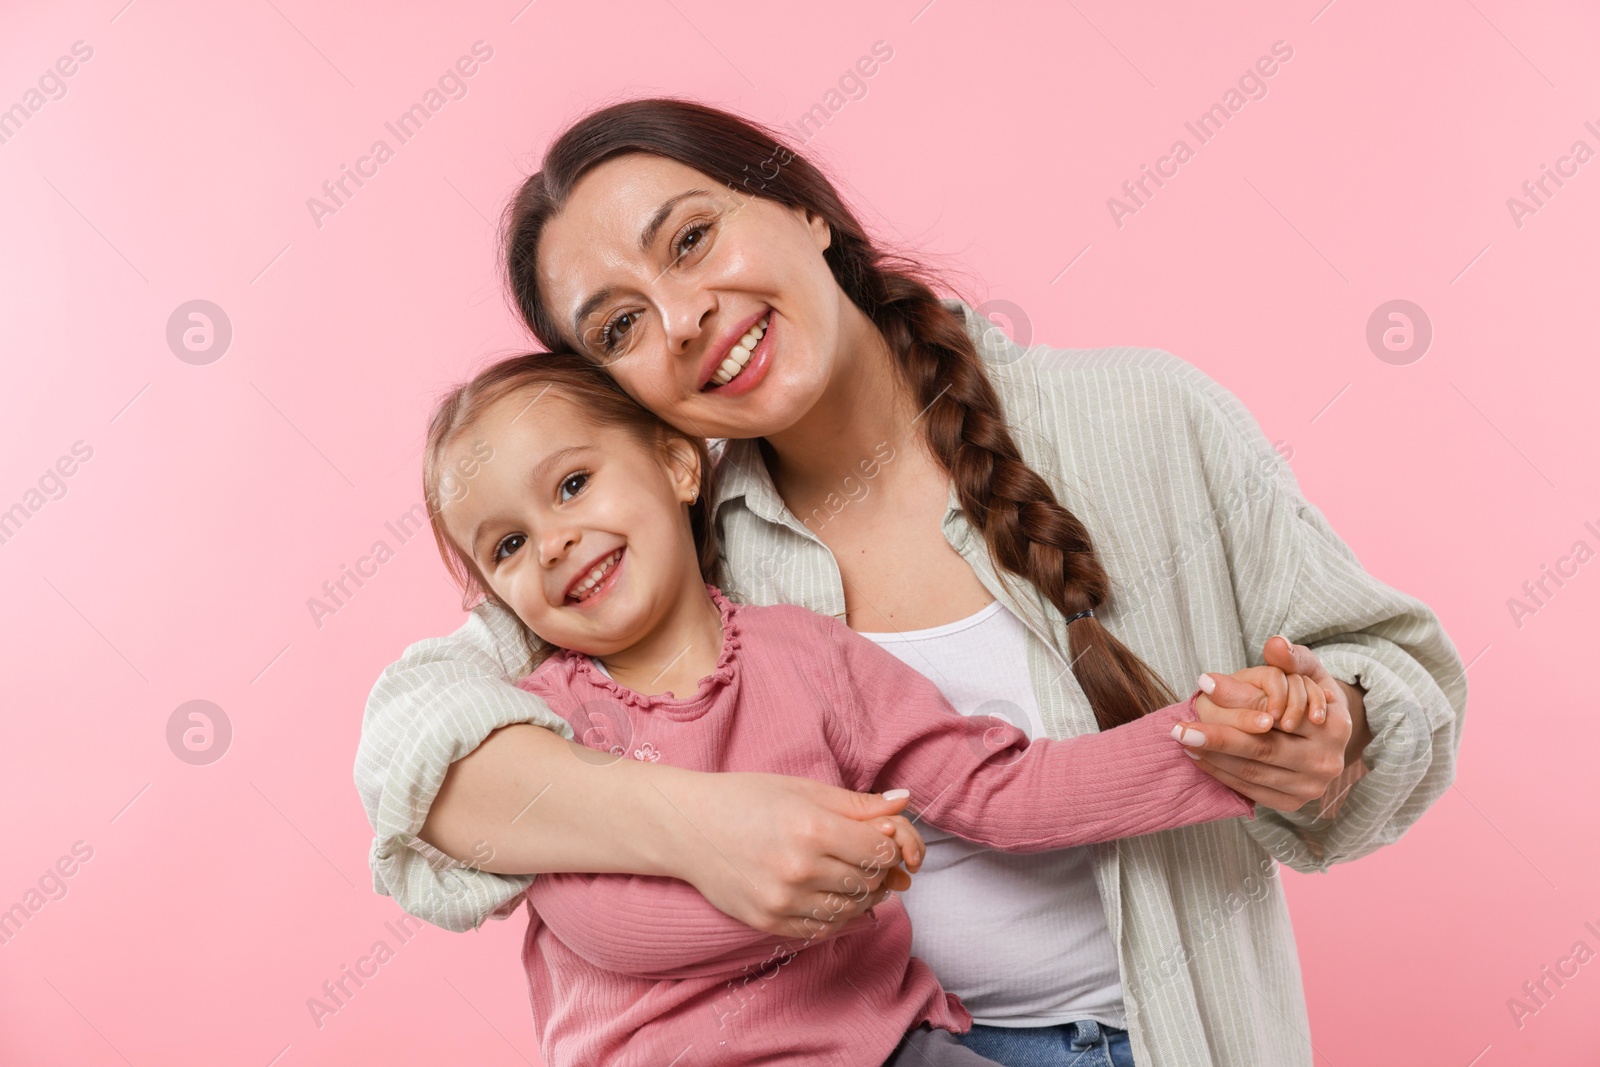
(685, 311)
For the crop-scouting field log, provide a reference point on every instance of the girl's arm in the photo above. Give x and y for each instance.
(980, 777)
(471, 788)
(660, 929)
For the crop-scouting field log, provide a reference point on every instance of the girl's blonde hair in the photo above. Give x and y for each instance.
(600, 398)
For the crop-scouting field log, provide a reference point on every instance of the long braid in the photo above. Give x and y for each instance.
(1028, 532)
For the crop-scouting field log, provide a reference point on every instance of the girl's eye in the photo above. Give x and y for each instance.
(616, 331)
(509, 544)
(572, 485)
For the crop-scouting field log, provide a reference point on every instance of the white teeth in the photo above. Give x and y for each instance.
(740, 356)
(593, 578)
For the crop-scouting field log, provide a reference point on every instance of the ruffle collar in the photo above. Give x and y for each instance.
(705, 693)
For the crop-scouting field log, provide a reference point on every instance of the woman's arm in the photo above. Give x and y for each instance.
(470, 792)
(1294, 576)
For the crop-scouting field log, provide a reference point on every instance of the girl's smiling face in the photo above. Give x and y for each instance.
(579, 527)
(714, 309)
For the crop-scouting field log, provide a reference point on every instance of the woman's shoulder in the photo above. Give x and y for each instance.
(1109, 379)
(1093, 396)
(1107, 382)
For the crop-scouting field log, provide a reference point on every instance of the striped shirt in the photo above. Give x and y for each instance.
(1211, 548)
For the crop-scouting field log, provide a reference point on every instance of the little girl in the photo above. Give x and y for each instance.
(553, 492)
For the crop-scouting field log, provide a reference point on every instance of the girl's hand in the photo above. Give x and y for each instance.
(1257, 698)
(791, 856)
(1282, 769)
(906, 837)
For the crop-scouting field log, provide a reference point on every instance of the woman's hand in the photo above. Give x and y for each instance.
(792, 856)
(1283, 768)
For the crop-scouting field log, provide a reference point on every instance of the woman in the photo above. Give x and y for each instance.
(1124, 511)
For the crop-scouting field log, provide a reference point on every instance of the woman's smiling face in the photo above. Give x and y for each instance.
(714, 309)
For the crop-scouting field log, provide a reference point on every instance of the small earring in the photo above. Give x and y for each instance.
(694, 495)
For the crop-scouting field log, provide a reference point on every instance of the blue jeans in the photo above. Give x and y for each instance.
(1080, 1044)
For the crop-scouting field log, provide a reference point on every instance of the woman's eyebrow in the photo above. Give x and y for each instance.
(647, 236)
(589, 306)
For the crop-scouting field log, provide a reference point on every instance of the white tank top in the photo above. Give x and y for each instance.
(1022, 940)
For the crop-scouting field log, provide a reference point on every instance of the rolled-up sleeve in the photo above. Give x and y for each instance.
(1294, 576)
(430, 708)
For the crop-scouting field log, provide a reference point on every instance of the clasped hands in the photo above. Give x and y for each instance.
(1277, 733)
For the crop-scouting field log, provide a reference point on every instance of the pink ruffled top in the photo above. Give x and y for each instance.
(685, 708)
(635, 969)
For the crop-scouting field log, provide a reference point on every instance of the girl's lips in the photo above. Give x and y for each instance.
(604, 585)
(755, 370)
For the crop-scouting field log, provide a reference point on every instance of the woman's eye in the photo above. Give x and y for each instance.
(508, 544)
(616, 331)
(572, 485)
(690, 239)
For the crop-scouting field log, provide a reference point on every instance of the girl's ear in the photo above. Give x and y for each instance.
(683, 461)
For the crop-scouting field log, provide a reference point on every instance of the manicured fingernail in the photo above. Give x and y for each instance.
(897, 794)
(1263, 721)
(1191, 755)
(1207, 684)
(1192, 738)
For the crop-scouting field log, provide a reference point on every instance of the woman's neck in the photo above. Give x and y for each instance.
(678, 651)
(865, 405)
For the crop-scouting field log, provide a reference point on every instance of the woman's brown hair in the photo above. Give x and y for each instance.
(1027, 530)
(568, 377)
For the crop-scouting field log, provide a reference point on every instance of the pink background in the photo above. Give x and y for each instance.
(220, 497)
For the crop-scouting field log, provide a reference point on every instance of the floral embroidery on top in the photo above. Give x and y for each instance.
(648, 752)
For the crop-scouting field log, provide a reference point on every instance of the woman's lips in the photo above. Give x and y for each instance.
(755, 369)
(739, 355)
(722, 348)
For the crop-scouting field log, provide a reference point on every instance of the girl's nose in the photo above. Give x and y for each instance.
(553, 548)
